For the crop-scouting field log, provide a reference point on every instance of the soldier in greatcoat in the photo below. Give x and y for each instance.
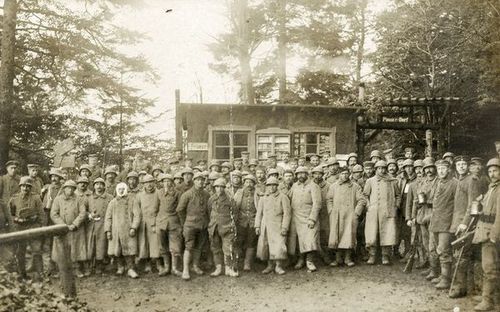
(222, 230)
(440, 224)
(246, 205)
(121, 224)
(9, 182)
(487, 235)
(97, 243)
(169, 225)
(148, 203)
(194, 214)
(68, 209)
(383, 195)
(345, 203)
(287, 182)
(110, 176)
(323, 218)
(305, 198)
(26, 212)
(333, 166)
(272, 223)
(34, 174)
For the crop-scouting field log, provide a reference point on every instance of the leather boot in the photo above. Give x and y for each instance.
(386, 251)
(445, 281)
(175, 266)
(218, 270)
(130, 263)
(487, 303)
(433, 270)
(249, 255)
(300, 262)
(373, 253)
(338, 258)
(311, 267)
(162, 269)
(279, 269)
(21, 264)
(231, 269)
(186, 263)
(38, 268)
(269, 267)
(218, 260)
(196, 262)
(348, 258)
(459, 287)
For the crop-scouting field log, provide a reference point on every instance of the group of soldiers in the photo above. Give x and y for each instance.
(172, 218)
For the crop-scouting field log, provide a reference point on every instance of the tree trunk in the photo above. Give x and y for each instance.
(282, 50)
(244, 55)
(361, 43)
(7, 77)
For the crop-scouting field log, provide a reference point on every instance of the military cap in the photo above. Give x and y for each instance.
(381, 163)
(442, 162)
(178, 175)
(302, 157)
(132, 174)
(56, 172)
(109, 170)
(205, 173)
(376, 153)
(271, 156)
(493, 162)
(390, 161)
(214, 163)
(186, 170)
(26, 181)
(148, 178)
(82, 180)
(272, 171)
(357, 168)
(461, 158)
(408, 162)
(352, 155)
(311, 155)
(400, 157)
(250, 177)
(164, 176)
(301, 169)
(157, 167)
(238, 159)
(318, 169)
(236, 173)
(201, 161)
(245, 153)
(244, 173)
(449, 154)
(272, 181)
(409, 148)
(261, 168)
(33, 166)
(188, 158)
(199, 168)
(11, 163)
(213, 175)
(253, 162)
(69, 183)
(98, 180)
(343, 169)
(428, 162)
(198, 175)
(173, 161)
(85, 167)
(418, 163)
(478, 159)
(368, 164)
(142, 172)
(227, 165)
(332, 161)
(220, 182)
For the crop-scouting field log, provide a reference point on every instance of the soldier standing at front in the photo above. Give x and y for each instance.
(97, 243)
(345, 202)
(271, 225)
(169, 225)
(488, 236)
(27, 213)
(305, 198)
(380, 229)
(123, 219)
(442, 213)
(68, 209)
(323, 218)
(222, 230)
(148, 203)
(194, 215)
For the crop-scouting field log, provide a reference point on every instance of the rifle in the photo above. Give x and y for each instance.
(412, 252)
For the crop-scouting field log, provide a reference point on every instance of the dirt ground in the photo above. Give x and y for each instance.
(362, 288)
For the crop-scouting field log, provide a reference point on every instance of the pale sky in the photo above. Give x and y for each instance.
(178, 50)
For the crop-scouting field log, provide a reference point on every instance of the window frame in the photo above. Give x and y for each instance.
(212, 130)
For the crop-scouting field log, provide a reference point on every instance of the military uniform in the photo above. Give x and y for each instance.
(9, 185)
(97, 244)
(148, 203)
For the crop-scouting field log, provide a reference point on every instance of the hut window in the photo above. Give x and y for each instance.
(229, 144)
(311, 142)
(272, 144)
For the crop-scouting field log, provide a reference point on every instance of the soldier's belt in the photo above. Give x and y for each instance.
(487, 218)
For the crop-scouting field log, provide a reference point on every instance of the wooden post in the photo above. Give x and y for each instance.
(60, 231)
(428, 143)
